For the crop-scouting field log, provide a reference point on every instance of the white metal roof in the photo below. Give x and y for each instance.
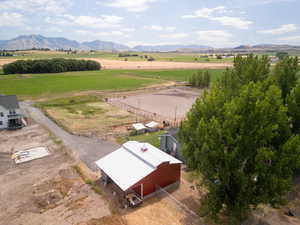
(138, 126)
(152, 124)
(132, 162)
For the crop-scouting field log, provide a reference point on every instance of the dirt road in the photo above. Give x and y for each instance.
(86, 149)
(117, 64)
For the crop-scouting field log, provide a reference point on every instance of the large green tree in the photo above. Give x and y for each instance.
(238, 136)
(242, 147)
(285, 74)
(293, 102)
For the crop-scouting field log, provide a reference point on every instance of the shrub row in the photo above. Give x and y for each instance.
(57, 65)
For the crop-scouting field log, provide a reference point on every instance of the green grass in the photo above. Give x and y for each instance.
(49, 84)
(151, 138)
(39, 85)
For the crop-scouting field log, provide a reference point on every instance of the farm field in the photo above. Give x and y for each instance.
(168, 57)
(45, 85)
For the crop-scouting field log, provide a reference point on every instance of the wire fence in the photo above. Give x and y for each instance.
(191, 217)
(175, 122)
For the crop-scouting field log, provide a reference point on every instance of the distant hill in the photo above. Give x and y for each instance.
(267, 47)
(38, 41)
(104, 45)
(169, 48)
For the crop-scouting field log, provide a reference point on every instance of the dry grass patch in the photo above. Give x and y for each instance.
(89, 115)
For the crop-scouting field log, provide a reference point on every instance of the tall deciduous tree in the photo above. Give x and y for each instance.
(293, 102)
(285, 74)
(242, 147)
(238, 136)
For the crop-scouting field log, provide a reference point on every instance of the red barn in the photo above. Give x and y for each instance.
(140, 167)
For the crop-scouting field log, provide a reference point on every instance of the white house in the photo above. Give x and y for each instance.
(10, 112)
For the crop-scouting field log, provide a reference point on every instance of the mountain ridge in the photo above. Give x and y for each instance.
(24, 42)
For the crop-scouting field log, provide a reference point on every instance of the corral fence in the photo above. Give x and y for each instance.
(191, 217)
(175, 122)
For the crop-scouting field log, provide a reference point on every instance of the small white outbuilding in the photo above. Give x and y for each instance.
(139, 128)
(152, 126)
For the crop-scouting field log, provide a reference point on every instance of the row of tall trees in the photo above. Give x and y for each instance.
(50, 66)
(243, 136)
(200, 79)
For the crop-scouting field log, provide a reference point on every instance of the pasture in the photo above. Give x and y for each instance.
(44, 85)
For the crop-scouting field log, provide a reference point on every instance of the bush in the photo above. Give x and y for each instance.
(50, 66)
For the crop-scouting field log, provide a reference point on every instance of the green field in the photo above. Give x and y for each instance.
(174, 57)
(39, 85)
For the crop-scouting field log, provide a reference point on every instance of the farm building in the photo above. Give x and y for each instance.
(140, 168)
(169, 143)
(10, 112)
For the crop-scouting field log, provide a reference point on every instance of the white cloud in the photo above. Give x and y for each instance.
(216, 38)
(100, 34)
(291, 39)
(102, 21)
(233, 22)
(130, 5)
(159, 28)
(213, 14)
(174, 36)
(205, 12)
(36, 6)
(286, 28)
(263, 2)
(11, 19)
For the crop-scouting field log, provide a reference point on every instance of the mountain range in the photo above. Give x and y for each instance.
(38, 41)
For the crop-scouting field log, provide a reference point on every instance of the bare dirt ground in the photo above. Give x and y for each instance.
(45, 191)
(116, 64)
(170, 104)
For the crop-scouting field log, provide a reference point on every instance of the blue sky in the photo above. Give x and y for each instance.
(217, 23)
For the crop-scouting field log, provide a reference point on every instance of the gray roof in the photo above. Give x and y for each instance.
(9, 101)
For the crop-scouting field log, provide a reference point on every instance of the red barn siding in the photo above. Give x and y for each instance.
(163, 176)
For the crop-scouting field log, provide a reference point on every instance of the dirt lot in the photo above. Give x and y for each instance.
(44, 191)
(115, 64)
(171, 104)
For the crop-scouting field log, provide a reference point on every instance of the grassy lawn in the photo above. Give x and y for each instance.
(39, 85)
(152, 138)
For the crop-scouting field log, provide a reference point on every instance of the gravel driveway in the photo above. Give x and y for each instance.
(86, 149)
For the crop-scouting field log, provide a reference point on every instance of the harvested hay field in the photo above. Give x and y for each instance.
(115, 64)
(132, 65)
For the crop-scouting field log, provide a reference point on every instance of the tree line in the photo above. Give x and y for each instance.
(242, 137)
(57, 65)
